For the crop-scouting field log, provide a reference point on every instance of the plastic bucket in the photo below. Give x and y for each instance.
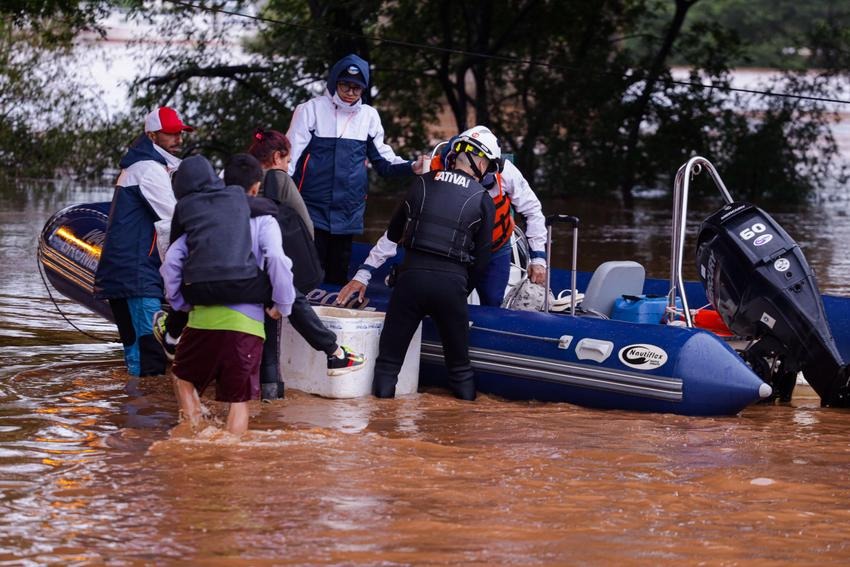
(306, 369)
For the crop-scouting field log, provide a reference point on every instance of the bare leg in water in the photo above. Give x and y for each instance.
(188, 400)
(190, 407)
(237, 418)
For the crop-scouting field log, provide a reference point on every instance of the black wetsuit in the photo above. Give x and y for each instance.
(445, 225)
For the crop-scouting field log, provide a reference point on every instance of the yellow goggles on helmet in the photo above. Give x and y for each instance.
(467, 148)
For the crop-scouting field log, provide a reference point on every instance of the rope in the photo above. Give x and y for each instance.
(515, 334)
(56, 305)
(503, 58)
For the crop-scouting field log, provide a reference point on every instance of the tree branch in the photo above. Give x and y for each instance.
(219, 71)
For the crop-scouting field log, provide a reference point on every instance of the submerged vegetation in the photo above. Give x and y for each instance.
(584, 94)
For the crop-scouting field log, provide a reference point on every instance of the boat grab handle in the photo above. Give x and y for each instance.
(556, 219)
(681, 185)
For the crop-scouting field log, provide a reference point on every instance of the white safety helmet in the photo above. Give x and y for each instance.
(480, 141)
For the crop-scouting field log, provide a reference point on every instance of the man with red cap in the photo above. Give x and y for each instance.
(128, 273)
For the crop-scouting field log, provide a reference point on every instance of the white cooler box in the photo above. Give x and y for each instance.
(306, 369)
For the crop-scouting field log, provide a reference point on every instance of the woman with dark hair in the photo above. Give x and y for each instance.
(271, 148)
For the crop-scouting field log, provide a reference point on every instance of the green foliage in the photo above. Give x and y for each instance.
(57, 151)
(56, 22)
(46, 128)
(782, 153)
(778, 33)
(830, 41)
(225, 102)
(764, 147)
(582, 93)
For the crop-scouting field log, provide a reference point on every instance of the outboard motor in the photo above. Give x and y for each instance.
(758, 280)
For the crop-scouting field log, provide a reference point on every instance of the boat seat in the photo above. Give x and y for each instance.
(610, 281)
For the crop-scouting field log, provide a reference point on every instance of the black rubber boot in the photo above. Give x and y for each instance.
(462, 381)
(463, 390)
(383, 388)
(271, 391)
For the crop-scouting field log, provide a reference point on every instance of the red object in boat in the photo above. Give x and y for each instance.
(710, 320)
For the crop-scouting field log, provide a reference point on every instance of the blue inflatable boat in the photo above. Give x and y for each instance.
(615, 353)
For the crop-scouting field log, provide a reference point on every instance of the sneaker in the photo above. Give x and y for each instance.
(161, 335)
(349, 361)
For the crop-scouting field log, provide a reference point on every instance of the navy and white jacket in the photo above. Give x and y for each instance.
(129, 262)
(331, 142)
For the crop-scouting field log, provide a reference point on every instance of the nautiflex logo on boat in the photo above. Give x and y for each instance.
(643, 357)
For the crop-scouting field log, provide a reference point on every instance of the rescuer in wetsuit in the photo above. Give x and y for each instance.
(445, 224)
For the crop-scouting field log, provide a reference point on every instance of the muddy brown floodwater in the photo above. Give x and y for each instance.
(93, 470)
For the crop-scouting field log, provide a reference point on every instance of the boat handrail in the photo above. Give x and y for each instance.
(681, 185)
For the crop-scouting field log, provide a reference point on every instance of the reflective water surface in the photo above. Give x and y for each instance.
(93, 470)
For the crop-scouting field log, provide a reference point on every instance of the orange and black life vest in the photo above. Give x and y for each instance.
(503, 224)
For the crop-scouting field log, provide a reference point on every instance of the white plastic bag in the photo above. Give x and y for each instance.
(527, 296)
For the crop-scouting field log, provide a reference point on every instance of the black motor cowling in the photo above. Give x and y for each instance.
(758, 280)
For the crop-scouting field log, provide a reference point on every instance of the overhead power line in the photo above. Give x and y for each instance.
(479, 55)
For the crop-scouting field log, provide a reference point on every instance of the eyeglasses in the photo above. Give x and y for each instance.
(349, 87)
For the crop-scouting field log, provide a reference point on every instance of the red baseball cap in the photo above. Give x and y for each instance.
(165, 119)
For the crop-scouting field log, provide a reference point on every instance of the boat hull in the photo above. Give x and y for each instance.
(518, 355)
(525, 355)
(69, 250)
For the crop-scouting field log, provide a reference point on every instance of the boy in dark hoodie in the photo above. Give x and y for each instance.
(246, 171)
(217, 240)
